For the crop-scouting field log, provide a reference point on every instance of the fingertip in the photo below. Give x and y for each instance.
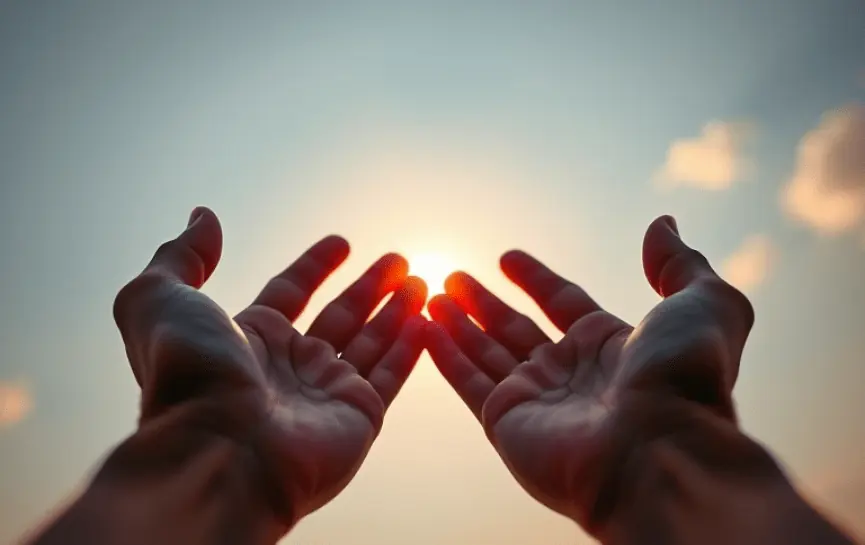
(196, 213)
(330, 252)
(396, 259)
(457, 283)
(659, 244)
(520, 266)
(414, 290)
(415, 286)
(665, 224)
(338, 242)
(452, 279)
(670, 264)
(435, 305)
(671, 223)
(203, 235)
(511, 258)
(396, 264)
(335, 247)
(201, 214)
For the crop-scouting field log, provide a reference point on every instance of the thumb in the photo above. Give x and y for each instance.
(671, 265)
(187, 260)
(706, 303)
(191, 257)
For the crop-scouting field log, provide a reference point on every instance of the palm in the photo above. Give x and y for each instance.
(316, 401)
(547, 417)
(324, 415)
(562, 414)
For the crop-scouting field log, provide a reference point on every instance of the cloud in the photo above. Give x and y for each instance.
(827, 189)
(749, 265)
(712, 161)
(15, 403)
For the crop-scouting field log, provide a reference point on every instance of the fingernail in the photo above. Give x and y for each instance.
(196, 213)
(671, 221)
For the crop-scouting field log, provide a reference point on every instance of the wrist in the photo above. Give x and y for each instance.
(198, 468)
(691, 476)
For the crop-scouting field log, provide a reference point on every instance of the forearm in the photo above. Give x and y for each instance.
(710, 484)
(171, 483)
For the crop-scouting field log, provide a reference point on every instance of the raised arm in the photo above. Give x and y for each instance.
(629, 431)
(246, 424)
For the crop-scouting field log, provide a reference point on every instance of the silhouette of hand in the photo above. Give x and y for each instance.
(308, 406)
(566, 416)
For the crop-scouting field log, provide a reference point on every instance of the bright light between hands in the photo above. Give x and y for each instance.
(432, 269)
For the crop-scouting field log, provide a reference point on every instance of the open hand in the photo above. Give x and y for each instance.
(566, 416)
(307, 406)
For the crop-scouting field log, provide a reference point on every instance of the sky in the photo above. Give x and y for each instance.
(459, 128)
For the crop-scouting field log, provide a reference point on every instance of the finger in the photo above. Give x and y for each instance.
(189, 259)
(290, 291)
(672, 267)
(489, 356)
(515, 331)
(561, 300)
(378, 334)
(469, 382)
(392, 370)
(344, 317)
(160, 308)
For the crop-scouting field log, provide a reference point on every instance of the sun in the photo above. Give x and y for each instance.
(433, 268)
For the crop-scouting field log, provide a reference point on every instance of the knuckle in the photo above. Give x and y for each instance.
(724, 291)
(676, 269)
(698, 257)
(507, 324)
(313, 269)
(133, 291)
(177, 257)
(165, 249)
(546, 284)
(359, 295)
(286, 292)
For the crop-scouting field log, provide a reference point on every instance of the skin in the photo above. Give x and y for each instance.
(628, 430)
(247, 425)
(297, 412)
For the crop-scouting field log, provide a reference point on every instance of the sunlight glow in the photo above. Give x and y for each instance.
(433, 268)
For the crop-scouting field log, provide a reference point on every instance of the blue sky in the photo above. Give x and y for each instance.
(463, 128)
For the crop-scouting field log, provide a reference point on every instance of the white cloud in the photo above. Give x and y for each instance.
(15, 403)
(827, 190)
(749, 266)
(712, 161)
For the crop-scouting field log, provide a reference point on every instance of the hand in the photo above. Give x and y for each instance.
(307, 406)
(566, 416)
